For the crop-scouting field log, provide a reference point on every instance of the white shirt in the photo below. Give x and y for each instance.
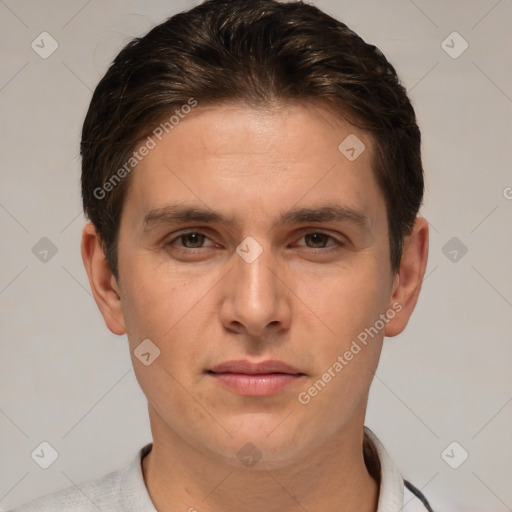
(125, 491)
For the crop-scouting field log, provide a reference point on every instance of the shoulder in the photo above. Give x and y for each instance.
(117, 491)
(102, 494)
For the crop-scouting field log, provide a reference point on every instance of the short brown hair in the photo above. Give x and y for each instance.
(262, 53)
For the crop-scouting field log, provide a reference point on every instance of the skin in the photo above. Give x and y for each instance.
(302, 301)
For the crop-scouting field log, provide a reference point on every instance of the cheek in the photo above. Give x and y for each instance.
(347, 343)
(153, 298)
(143, 306)
(344, 302)
(170, 309)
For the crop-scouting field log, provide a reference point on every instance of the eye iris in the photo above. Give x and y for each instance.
(317, 238)
(196, 239)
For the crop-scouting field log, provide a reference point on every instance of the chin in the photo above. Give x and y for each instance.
(264, 442)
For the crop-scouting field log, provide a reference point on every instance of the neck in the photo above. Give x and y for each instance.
(332, 477)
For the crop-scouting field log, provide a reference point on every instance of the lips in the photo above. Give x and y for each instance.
(255, 379)
(248, 368)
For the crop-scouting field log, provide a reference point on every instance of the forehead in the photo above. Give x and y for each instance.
(241, 159)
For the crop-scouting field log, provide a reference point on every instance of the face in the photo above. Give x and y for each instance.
(254, 255)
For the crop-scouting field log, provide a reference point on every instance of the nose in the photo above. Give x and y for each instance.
(255, 301)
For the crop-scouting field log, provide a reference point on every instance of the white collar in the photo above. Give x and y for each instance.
(391, 491)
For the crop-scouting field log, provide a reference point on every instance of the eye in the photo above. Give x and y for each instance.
(190, 240)
(319, 240)
(196, 240)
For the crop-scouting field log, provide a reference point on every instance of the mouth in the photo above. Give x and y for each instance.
(255, 379)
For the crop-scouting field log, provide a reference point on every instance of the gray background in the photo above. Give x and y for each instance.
(67, 380)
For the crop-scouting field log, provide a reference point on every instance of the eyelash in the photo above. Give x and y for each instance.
(337, 243)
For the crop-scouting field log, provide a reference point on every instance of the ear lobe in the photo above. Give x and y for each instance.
(409, 278)
(103, 284)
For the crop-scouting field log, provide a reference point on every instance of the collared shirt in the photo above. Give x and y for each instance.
(125, 491)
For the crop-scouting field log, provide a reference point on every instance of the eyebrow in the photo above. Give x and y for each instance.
(176, 213)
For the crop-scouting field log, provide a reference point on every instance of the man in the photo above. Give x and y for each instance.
(252, 174)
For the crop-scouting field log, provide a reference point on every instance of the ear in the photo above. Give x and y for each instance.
(409, 278)
(103, 284)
